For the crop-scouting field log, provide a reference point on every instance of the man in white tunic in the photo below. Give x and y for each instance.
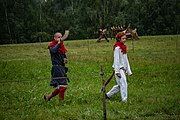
(121, 67)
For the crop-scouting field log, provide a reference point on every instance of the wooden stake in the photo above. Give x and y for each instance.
(104, 93)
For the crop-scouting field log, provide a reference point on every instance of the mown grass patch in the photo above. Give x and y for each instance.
(153, 89)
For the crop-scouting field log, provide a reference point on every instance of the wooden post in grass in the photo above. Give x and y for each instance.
(132, 45)
(104, 92)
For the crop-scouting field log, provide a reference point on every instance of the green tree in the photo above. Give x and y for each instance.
(31, 20)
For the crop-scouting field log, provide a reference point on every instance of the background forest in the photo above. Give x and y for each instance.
(25, 21)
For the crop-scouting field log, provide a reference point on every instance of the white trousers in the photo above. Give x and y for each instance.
(120, 87)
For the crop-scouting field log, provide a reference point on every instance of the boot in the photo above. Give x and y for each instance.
(48, 97)
(62, 91)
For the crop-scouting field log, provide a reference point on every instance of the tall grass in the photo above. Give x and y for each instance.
(153, 89)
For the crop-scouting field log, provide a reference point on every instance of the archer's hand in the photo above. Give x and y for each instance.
(66, 61)
(118, 74)
(59, 40)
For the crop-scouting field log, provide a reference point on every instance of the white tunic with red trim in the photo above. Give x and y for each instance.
(121, 61)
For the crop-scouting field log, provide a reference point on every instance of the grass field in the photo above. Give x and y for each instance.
(153, 89)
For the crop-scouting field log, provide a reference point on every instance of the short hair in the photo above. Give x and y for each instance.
(119, 35)
(57, 33)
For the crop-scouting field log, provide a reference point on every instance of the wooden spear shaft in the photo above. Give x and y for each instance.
(104, 93)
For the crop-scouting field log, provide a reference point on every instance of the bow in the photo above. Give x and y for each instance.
(108, 80)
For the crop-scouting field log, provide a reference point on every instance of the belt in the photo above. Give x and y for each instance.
(123, 69)
(59, 66)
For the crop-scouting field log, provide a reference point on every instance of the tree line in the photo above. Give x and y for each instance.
(24, 21)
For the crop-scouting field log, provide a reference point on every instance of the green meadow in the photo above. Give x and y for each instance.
(153, 89)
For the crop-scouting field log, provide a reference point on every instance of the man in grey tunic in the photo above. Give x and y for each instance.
(58, 71)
